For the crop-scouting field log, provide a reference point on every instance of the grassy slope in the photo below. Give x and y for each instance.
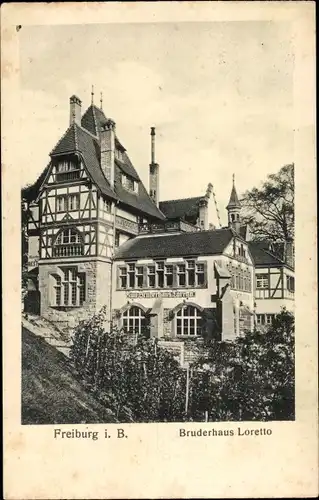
(50, 392)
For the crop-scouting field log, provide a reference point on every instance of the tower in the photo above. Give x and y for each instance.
(233, 208)
(154, 171)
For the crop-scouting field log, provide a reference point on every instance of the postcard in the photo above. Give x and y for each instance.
(159, 250)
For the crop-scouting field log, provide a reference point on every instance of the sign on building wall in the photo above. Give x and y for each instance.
(171, 294)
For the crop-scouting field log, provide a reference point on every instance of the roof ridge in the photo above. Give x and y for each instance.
(87, 131)
(182, 199)
(94, 118)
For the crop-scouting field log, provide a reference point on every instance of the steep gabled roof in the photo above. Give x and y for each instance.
(30, 193)
(67, 143)
(93, 119)
(176, 245)
(90, 150)
(182, 208)
(78, 140)
(140, 201)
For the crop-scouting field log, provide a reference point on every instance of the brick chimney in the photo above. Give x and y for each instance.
(107, 138)
(154, 171)
(75, 110)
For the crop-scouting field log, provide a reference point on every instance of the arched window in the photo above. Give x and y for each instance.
(189, 321)
(68, 243)
(135, 321)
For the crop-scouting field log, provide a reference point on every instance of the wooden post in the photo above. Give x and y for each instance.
(187, 389)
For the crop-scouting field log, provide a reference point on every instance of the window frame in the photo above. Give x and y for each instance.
(138, 319)
(262, 281)
(69, 288)
(63, 246)
(183, 322)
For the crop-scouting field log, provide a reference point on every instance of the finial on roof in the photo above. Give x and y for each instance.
(101, 100)
(233, 179)
(92, 94)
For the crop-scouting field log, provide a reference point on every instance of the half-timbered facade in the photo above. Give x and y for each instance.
(274, 285)
(98, 238)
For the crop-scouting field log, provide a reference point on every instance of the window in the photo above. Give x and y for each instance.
(264, 319)
(189, 321)
(151, 276)
(107, 206)
(160, 274)
(68, 202)
(200, 274)
(168, 275)
(131, 275)
(269, 319)
(134, 321)
(181, 275)
(74, 201)
(119, 154)
(139, 276)
(290, 283)
(163, 275)
(129, 183)
(262, 281)
(70, 289)
(61, 203)
(123, 277)
(191, 272)
(68, 243)
(67, 170)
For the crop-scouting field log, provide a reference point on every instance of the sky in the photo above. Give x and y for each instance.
(220, 95)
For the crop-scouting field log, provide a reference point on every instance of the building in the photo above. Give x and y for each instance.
(98, 237)
(274, 279)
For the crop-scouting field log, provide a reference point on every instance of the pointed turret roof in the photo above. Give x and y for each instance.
(233, 200)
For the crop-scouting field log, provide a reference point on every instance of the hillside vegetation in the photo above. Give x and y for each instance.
(51, 392)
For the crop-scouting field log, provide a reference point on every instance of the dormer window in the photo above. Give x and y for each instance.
(119, 154)
(129, 183)
(67, 170)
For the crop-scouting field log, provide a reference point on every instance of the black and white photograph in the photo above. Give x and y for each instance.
(158, 229)
(159, 249)
(158, 237)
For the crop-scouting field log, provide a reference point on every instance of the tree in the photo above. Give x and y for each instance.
(269, 211)
(24, 241)
(251, 378)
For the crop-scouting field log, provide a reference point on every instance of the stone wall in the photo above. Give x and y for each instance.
(97, 292)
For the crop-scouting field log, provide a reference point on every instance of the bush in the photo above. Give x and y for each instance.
(251, 378)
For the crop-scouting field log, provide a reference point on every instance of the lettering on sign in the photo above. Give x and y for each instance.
(170, 294)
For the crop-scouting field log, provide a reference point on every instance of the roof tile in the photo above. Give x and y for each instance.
(176, 245)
